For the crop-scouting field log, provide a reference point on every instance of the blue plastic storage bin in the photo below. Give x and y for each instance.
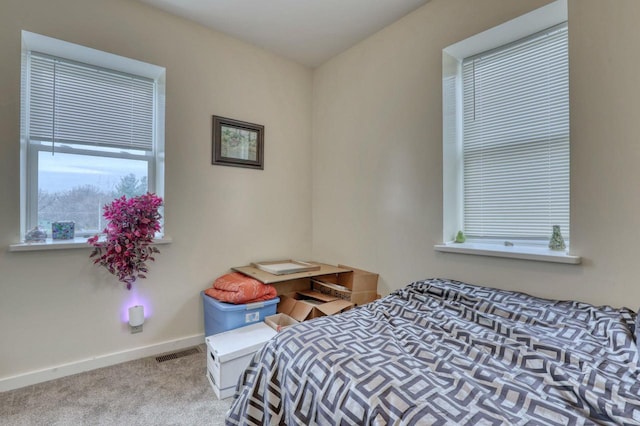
(220, 316)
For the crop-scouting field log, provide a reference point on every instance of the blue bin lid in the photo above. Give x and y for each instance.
(226, 307)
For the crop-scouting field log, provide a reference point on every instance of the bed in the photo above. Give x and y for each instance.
(446, 352)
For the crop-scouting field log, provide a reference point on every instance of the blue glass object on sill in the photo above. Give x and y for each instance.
(62, 230)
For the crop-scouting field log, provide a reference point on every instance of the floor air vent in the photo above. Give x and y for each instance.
(179, 354)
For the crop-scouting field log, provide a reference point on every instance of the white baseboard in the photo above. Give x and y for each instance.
(46, 374)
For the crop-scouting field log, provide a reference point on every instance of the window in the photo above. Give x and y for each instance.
(506, 132)
(516, 139)
(92, 130)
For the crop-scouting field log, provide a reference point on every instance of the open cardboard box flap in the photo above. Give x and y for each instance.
(286, 304)
(300, 310)
(318, 296)
(340, 292)
(334, 307)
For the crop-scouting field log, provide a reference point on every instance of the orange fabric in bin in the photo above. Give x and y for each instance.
(238, 288)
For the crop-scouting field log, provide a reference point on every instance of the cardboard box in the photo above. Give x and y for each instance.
(358, 280)
(280, 321)
(296, 309)
(300, 309)
(331, 289)
(363, 297)
(341, 292)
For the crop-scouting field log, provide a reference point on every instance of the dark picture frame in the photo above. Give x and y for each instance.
(237, 143)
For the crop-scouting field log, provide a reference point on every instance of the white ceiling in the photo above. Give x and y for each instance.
(307, 31)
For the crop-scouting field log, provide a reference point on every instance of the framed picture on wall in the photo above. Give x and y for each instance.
(237, 143)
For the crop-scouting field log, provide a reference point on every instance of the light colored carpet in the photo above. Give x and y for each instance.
(141, 392)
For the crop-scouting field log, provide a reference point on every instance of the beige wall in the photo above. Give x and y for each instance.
(377, 153)
(55, 307)
(376, 180)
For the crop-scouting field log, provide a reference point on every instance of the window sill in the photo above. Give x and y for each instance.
(76, 243)
(541, 254)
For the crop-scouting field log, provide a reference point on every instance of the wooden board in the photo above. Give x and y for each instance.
(286, 267)
(267, 278)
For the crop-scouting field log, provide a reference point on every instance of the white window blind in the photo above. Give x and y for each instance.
(516, 138)
(77, 103)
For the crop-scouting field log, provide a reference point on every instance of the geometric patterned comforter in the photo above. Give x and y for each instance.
(446, 352)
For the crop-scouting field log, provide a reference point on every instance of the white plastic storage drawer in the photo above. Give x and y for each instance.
(229, 354)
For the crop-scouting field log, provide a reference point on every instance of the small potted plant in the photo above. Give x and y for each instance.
(132, 224)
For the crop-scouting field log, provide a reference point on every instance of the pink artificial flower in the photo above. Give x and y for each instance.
(132, 225)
